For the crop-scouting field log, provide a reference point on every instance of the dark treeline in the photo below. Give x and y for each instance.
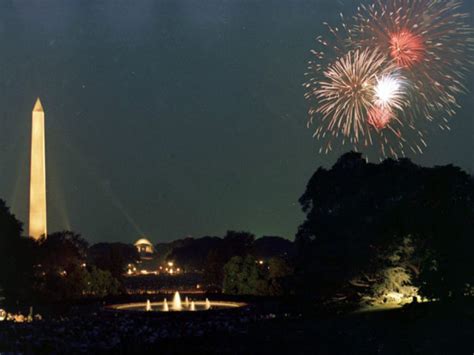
(210, 255)
(372, 231)
(50, 269)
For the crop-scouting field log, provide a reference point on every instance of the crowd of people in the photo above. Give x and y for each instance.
(106, 330)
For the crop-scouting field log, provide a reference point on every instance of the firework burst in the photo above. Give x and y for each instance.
(389, 92)
(386, 79)
(356, 97)
(429, 41)
(406, 48)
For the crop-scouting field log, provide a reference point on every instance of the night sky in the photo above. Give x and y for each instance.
(172, 118)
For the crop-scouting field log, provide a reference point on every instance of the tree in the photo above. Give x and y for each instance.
(63, 273)
(267, 247)
(79, 282)
(448, 215)
(112, 257)
(357, 211)
(243, 276)
(193, 255)
(62, 251)
(100, 283)
(280, 276)
(16, 257)
(249, 276)
(233, 244)
(395, 281)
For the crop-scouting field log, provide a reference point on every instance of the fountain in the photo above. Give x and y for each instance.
(177, 302)
(176, 305)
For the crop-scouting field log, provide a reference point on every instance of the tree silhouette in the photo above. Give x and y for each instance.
(233, 244)
(16, 257)
(62, 251)
(113, 257)
(357, 211)
(249, 276)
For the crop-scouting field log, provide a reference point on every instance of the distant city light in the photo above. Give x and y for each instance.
(3, 314)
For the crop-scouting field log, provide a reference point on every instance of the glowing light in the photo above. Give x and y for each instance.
(379, 117)
(406, 48)
(431, 41)
(350, 97)
(388, 92)
(177, 306)
(389, 77)
(37, 221)
(344, 94)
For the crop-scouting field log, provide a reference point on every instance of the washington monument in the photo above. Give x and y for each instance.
(37, 222)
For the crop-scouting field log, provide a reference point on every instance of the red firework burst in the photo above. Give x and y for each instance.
(431, 41)
(379, 117)
(406, 48)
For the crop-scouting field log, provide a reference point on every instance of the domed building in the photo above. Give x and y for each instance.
(147, 263)
(144, 246)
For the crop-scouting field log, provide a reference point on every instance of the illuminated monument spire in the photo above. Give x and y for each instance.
(37, 223)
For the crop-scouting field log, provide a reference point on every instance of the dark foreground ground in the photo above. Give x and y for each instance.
(420, 329)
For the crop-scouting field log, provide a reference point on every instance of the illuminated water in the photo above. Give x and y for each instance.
(177, 305)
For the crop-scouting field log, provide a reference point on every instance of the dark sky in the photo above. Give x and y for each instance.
(171, 118)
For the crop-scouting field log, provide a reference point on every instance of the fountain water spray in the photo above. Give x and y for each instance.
(177, 302)
(175, 306)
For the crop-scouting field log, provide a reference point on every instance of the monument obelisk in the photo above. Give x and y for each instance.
(37, 222)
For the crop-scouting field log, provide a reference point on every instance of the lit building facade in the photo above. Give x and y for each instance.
(144, 247)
